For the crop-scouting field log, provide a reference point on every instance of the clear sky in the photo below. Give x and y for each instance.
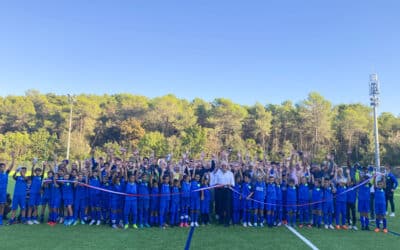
(248, 51)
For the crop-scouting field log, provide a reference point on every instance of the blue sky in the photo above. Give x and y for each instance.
(248, 51)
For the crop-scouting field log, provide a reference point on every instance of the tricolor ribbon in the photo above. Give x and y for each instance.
(131, 195)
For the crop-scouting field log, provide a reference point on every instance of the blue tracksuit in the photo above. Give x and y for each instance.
(55, 200)
(165, 198)
(144, 202)
(19, 198)
(259, 197)
(205, 203)
(94, 198)
(36, 187)
(291, 201)
(341, 205)
(380, 206)
(67, 193)
(46, 197)
(279, 200)
(194, 199)
(236, 202)
(3, 187)
(105, 200)
(131, 205)
(116, 202)
(317, 197)
(327, 206)
(304, 201)
(271, 203)
(185, 201)
(175, 204)
(247, 205)
(284, 187)
(380, 201)
(364, 197)
(154, 205)
(81, 201)
(3, 191)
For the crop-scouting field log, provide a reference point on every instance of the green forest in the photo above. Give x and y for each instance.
(37, 124)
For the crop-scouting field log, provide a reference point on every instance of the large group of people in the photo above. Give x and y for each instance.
(148, 192)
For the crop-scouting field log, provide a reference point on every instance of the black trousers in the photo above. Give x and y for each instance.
(389, 199)
(372, 205)
(351, 213)
(217, 199)
(226, 205)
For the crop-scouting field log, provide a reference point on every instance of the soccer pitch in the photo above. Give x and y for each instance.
(210, 237)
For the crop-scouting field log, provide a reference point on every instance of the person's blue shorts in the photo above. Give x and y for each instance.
(19, 200)
(55, 202)
(258, 205)
(364, 206)
(270, 206)
(3, 196)
(380, 208)
(35, 199)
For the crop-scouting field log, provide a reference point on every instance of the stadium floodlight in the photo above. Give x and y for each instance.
(374, 98)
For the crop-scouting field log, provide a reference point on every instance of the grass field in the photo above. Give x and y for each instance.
(212, 237)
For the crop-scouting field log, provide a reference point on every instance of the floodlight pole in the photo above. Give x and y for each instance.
(374, 97)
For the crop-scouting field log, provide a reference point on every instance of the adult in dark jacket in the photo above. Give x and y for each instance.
(391, 185)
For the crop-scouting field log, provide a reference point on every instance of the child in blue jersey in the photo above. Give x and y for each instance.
(279, 202)
(351, 206)
(195, 199)
(259, 198)
(317, 199)
(46, 196)
(236, 200)
(19, 198)
(116, 202)
(284, 186)
(3, 187)
(364, 196)
(55, 202)
(291, 202)
(185, 201)
(28, 192)
(68, 199)
(270, 205)
(175, 203)
(205, 201)
(144, 201)
(304, 201)
(130, 208)
(165, 197)
(81, 200)
(105, 199)
(94, 198)
(247, 204)
(380, 206)
(327, 206)
(154, 203)
(341, 205)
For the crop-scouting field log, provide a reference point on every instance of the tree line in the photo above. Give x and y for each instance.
(36, 125)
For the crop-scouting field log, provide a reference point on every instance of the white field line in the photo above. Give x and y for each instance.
(311, 245)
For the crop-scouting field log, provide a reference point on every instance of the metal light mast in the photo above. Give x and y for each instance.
(374, 97)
